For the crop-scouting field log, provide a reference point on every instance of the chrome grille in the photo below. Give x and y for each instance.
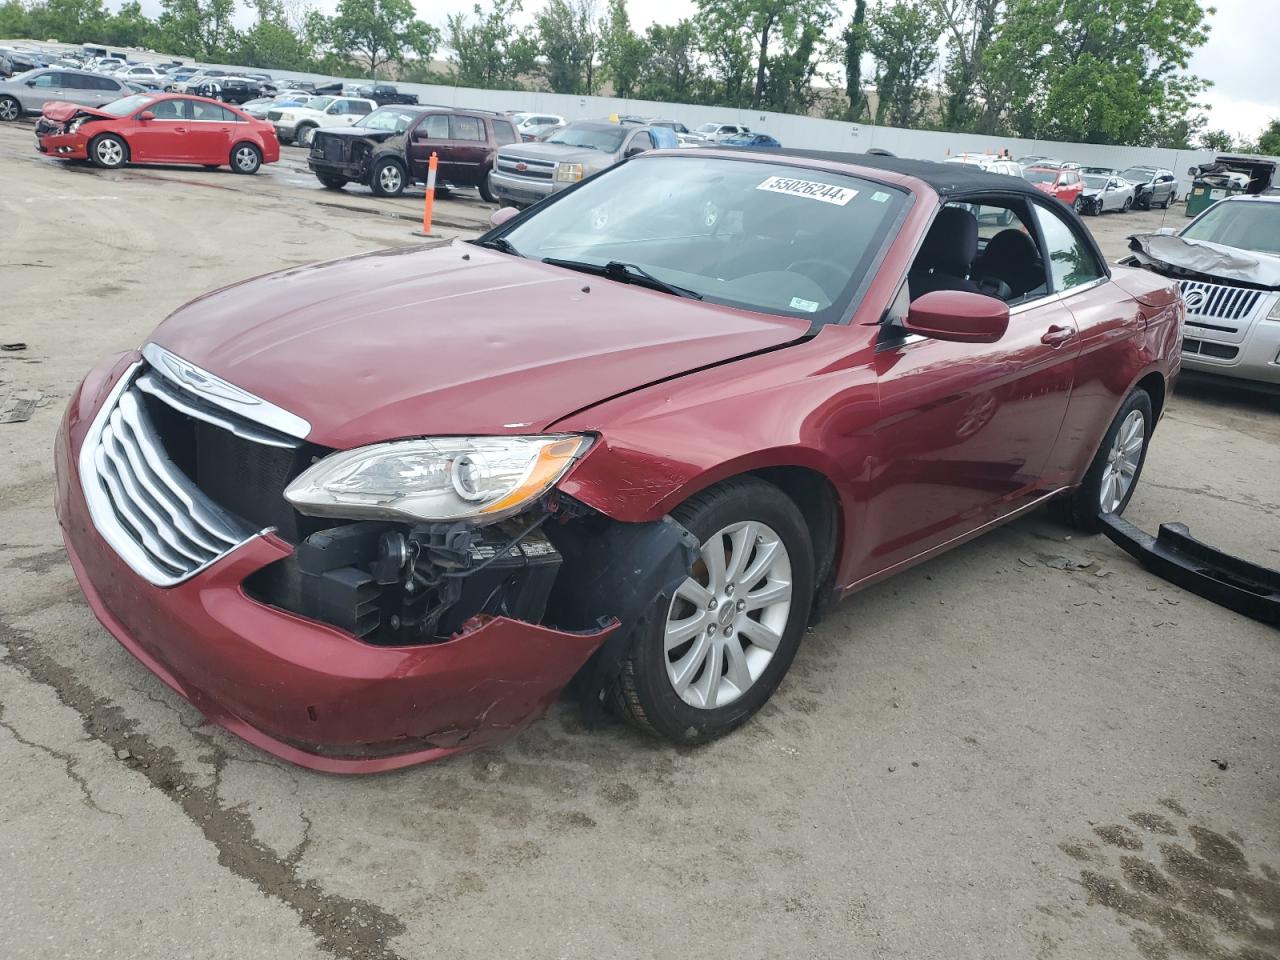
(532, 169)
(141, 502)
(274, 114)
(1213, 301)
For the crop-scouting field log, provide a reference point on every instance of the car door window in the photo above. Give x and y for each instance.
(1072, 262)
(503, 132)
(169, 110)
(466, 128)
(359, 108)
(641, 141)
(47, 81)
(434, 127)
(103, 83)
(208, 112)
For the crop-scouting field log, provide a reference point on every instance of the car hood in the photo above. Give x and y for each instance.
(454, 339)
(559, 152)
(361, 133)
(1163, 251)
(61, 111)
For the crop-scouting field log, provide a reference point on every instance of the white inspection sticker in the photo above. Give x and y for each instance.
(825, 192)
(809, 306)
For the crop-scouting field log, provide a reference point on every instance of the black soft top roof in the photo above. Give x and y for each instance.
(948, 179)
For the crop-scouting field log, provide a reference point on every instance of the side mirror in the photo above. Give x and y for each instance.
(501, 216)
(958, 316)
(634, 151)
(146, 115)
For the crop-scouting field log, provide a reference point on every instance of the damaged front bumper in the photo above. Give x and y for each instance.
(298, 688)
(63, 146)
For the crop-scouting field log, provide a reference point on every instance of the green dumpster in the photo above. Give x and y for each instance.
(1204, 194)
(1227, 177)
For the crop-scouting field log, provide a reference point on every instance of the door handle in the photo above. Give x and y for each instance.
(1056, 336)
(179, 129)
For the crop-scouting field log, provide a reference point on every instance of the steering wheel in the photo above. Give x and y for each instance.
(820, 272)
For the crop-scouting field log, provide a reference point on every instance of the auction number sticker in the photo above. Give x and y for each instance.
(825, 192)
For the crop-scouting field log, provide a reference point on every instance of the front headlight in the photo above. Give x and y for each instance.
(1274, 312)
(476, 479)
(568, 172)
(286, 117)
(75, 124)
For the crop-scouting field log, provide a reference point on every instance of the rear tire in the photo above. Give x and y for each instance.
(332, 181)
(387, 179)
(108, 151)
(10, 109)
(245, 159)
(646, 692)
(1084, 507)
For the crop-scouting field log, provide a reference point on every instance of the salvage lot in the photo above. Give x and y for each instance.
(955, 766)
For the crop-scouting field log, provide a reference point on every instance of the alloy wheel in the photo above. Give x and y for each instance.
(246, 158)
(9, 109)
(389, 178)
(726, 620)
(1123, 458)
(109, 152)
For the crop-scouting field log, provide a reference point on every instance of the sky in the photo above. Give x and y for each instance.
(1237, 58)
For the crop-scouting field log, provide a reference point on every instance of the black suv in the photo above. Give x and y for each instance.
(392, 146)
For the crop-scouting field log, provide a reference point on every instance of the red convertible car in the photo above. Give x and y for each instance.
(157, 128)
(379, 510)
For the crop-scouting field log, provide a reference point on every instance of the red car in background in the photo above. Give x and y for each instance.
(1066, 185)
(375, 511)
(157, 128)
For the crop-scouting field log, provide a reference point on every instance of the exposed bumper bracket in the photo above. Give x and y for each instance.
(1180, 558)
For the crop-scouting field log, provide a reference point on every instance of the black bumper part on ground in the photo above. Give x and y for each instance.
(1180, 558)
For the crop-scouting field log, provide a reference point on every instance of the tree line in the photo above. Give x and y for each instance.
(1096, 71)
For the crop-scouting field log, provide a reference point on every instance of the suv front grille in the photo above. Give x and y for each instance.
(1213, 301)
(274, 115)
(523, 167)
(174, 483)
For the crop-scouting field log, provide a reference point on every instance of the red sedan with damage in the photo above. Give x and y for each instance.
(380, 510)
(157, 128)
(1060, 183)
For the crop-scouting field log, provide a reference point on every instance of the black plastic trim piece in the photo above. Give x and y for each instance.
(1181, 559)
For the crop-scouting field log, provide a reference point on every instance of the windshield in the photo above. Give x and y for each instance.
(1041, 176)
(318, 103)
(126, 105)
(740, 232)
(396, 120)
(709, 128)
(1137, 175)
(1246, 224)
(1097, 183)
(606, 139)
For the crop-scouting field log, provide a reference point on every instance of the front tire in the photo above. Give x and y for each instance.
(387, 179)
(1128, 205)
(707, 660)
(1112, 477)
(245, 159)
(486, 191)
(108, 151)
(304, 135)
(10, 109)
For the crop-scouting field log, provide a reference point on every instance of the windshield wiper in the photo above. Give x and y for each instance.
(499, 243)
(624, 273)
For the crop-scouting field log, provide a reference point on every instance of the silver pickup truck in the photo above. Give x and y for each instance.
(524, 173)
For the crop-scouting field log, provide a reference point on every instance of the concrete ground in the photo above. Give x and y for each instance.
(1027, 748)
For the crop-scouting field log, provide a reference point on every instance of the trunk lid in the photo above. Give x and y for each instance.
(416, 342)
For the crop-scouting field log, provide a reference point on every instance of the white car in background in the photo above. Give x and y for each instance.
(298, 124)
(1103, 193)
(985, 161)
(715, 132)
(142, 73)
(530, 126)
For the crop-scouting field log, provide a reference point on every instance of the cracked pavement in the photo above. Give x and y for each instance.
(926, 783)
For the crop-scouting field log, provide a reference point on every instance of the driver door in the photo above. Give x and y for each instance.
(431, 135)
(165, 138)
(966, 430)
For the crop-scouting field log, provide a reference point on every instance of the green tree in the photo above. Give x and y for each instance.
(854, 38)
(491, 52)
(902, 38)
(622, 52)
(1098, 71)
(1218, 141)
(14, 20)
(969, 27)
(375, 33)
(671, 70)
(1269, 140)
(729, 49)
(196, 28)
(130, 27)
(567, 40)
(791, 71)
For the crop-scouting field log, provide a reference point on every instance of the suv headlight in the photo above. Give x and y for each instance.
(286, 117)
(475, 479)
(1274, 312)
(568, 172)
